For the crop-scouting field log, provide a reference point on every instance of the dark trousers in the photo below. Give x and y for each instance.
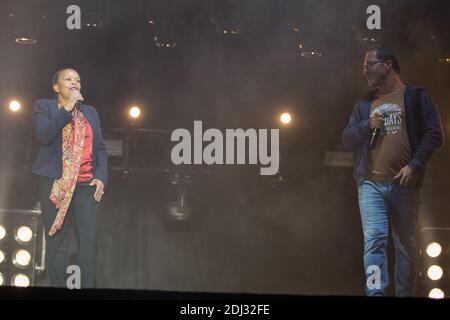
(84, 212)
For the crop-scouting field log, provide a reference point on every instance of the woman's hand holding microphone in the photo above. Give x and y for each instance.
(74, 97)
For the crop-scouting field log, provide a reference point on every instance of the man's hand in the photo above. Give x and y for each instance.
(407, 176)
(99, 190)
(376, 121)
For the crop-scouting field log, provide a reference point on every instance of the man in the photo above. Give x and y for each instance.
(394, 130)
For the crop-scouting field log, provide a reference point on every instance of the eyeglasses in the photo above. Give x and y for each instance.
(371, 63)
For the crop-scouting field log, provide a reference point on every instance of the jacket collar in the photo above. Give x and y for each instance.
(89, 116)
(370, 96)
(55, 104)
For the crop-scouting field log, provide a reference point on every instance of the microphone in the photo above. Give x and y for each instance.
(375, 134)
(384, 111)
(79, 103)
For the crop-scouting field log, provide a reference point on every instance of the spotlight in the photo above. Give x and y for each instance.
(24, 234)
(135, 112)
(14, 106)
(436, 293)
(434, 249)
(435, 272)
(231, 32)
(435, 261)
(179, 212)
(19, 246)
(311, 54)
(2, 232)
(20, 280)
(2, 279)
(368, 39)
(22, 258)
(285, 118)
(444, 59)
(25, 40)
(160, 44)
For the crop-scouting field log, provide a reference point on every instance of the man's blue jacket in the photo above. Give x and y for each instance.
(424, 130)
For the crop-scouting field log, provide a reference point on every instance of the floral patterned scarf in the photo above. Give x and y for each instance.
(72, 150)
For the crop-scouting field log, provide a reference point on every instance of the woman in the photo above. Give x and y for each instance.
(72, 169)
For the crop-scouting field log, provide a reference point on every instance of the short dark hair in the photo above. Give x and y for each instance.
(58, 73)
(386, 53)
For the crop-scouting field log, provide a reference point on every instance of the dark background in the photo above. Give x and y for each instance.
(296, 232)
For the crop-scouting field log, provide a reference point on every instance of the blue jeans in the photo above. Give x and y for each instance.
(379, 202)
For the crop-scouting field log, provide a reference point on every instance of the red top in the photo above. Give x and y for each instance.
(86, 167)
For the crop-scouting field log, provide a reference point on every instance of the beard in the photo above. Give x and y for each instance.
(376, 80)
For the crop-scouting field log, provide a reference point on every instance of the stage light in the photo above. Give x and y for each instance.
(135, 112)
(22, 258)
(14, 105)
(20, 280)
(435, 260)
(434, 249)
(2, 256)
(20, 245)
(369, 39)
(311, 54)
(436, 293)
(179, 212)
(24, 234)
(91, 25)
(166, 45)
(444, 59)
(231, 32)
(26, 40)
(285, 118)
(2, 232)
(435, 272)
(161, 44)
(2, 279)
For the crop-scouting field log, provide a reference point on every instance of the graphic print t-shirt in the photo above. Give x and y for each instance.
(392, 150)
